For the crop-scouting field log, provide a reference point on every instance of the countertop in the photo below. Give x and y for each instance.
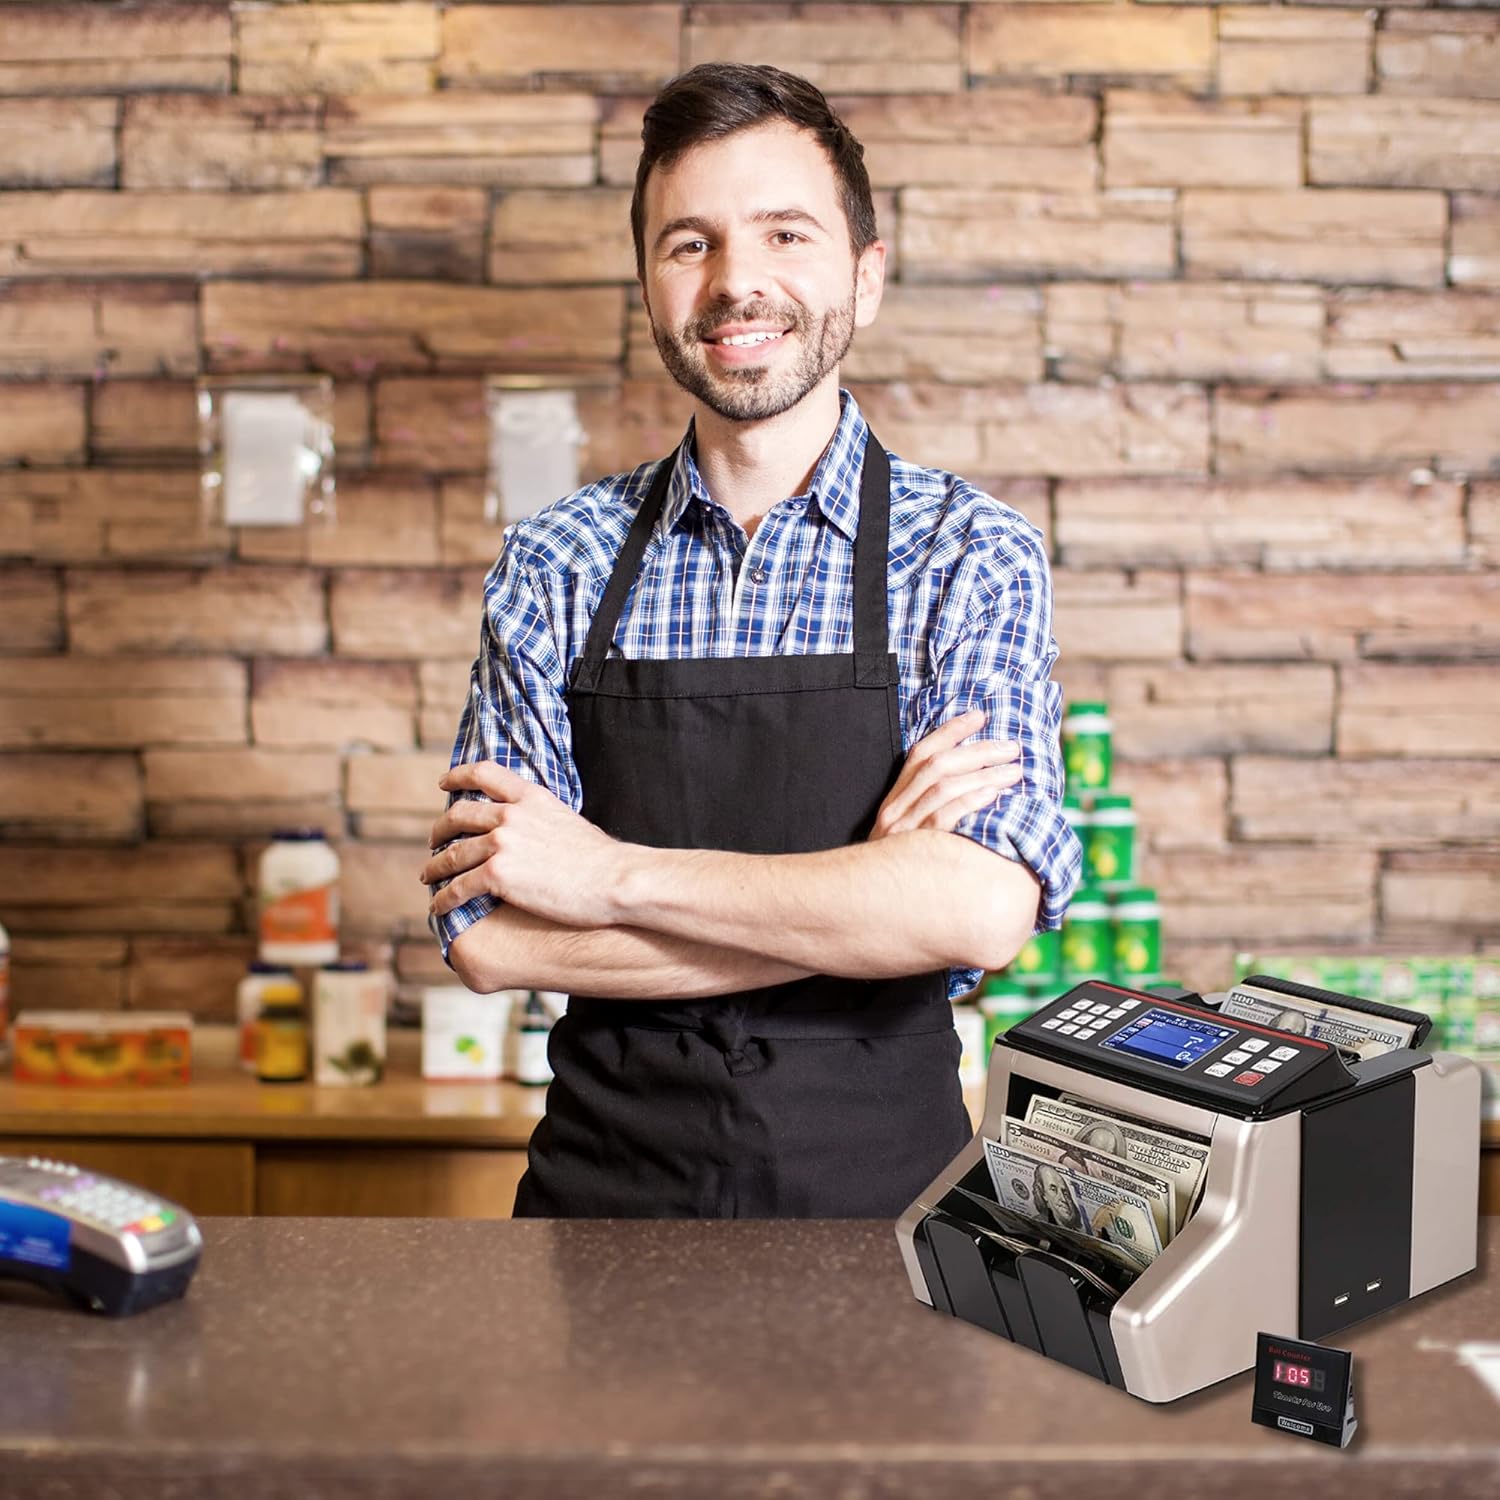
(381, 1358)
(222, 1103)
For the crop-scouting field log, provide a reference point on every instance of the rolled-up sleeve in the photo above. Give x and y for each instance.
(1000, 660)
(515, 713)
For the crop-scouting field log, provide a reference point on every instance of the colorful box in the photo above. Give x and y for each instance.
(103, 1048)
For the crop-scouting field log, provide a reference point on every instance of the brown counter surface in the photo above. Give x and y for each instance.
(382, 1358)
(223, 1103)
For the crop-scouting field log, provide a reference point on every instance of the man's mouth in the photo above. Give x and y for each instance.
(747, 340)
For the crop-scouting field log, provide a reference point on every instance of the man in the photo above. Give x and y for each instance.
(730, 711)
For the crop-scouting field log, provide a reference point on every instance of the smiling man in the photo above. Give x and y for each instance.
(760, 757)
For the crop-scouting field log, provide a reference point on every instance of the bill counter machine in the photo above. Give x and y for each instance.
(1334, 1187)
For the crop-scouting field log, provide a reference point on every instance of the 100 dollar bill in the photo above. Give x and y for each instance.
(1352, 1030)
(1057, 1196)
(1091, 1162)
(1181, 1162)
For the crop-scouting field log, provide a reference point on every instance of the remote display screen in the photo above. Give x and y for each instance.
(1166, 1037)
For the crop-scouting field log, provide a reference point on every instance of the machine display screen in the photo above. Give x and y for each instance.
(1167, 1037)
(1304, 1377)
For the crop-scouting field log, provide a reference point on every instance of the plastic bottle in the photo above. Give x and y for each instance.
(248, 999)
(1109, 855)
(1137, 923)
(281, 1043)
(298, 887)
(1087, 938)
(532, 1066)
(1087, 746)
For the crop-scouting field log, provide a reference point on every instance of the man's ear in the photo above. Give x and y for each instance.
(869, 283)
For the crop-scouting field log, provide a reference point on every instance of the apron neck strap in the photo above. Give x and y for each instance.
(590, 663)
(872, 665)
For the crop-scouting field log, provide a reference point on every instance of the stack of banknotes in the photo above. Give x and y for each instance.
(1350, 1030)
(1116, 1187)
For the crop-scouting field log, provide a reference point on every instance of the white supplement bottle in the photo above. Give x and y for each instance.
(298, 887)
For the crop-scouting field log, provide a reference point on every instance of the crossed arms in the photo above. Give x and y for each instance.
(591, 915)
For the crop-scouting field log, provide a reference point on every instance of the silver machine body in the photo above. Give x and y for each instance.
(1269, 1246)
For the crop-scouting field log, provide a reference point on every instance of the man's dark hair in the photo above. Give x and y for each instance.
(716, 99)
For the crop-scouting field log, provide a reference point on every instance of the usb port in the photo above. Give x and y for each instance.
(1341, 1299)
(1372, 1286)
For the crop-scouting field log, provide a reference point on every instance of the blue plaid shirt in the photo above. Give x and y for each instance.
(970, 602)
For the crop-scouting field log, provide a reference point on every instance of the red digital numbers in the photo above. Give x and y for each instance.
(1292, 1374)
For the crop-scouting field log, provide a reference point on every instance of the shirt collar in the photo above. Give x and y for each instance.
(833, 488)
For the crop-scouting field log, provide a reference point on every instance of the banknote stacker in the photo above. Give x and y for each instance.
(1335, 1187)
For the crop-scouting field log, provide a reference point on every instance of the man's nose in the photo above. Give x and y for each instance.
(738, 273)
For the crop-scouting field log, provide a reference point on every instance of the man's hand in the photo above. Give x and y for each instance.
(944, 779)
(524, 847)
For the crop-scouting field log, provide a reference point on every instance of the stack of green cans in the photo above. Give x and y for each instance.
(1113, 927)
(1112, 930)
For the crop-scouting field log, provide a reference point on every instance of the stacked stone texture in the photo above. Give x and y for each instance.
(1211, 293)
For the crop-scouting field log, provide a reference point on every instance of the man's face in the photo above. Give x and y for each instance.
(746, 237)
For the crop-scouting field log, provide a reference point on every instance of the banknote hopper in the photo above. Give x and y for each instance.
(1331, 1186)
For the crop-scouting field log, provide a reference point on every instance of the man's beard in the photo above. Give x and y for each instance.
(751, 393)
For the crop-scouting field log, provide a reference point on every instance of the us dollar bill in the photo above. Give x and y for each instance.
(1013, 1174)
(1182, 1162)
(1067, 1200)
(1115, 1215)
(1092, 1162)
(1340, 1026)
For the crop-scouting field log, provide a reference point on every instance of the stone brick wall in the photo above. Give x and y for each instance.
(1211, 292)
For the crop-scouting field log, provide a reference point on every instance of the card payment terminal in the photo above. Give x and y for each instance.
(108, 1245)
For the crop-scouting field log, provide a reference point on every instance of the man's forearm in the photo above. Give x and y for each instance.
(512, 949)
(906, 904)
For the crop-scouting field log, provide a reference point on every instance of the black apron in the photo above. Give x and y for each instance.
(822, 1098)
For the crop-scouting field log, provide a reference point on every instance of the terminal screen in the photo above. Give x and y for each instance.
(1166, 1037)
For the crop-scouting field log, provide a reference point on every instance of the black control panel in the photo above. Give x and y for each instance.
(1183, 1049)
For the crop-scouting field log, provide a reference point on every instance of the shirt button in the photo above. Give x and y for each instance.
(758, 575)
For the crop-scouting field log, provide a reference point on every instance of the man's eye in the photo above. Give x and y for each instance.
(787, 234)
(687, 245)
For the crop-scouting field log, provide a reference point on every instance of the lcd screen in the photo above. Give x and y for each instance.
(1166, 1037)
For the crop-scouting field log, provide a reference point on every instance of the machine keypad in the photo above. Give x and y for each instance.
(1182, 1044)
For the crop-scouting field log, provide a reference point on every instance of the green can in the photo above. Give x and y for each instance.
(1002, 1011)
(1087, 736)
(1076, 811)
(1040, 960)
(1137, 932)
(1087, 938)
(1109, 855)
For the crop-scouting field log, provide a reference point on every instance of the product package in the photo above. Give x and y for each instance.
(463, 1034)
(349, 1024)
(103, 1047)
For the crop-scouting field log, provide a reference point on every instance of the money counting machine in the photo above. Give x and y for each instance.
(1333, 1187)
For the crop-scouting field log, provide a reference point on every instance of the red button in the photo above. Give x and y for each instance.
(1250, 1079)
